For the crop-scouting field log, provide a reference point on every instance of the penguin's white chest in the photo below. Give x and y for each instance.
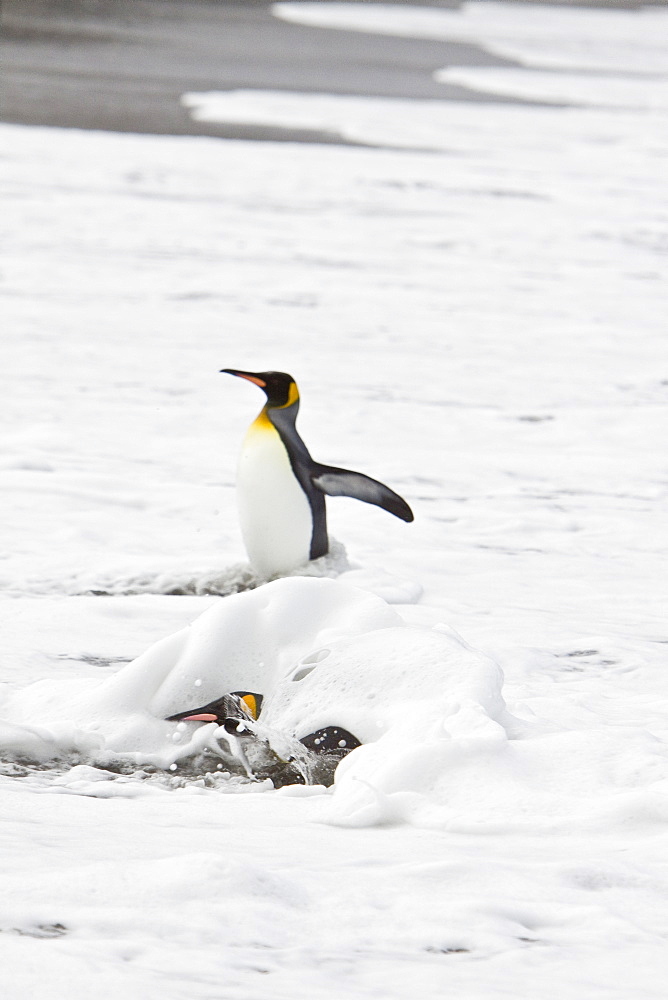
(275, 515)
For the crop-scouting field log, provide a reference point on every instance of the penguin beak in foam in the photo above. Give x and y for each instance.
(250, 376)
(235, 705)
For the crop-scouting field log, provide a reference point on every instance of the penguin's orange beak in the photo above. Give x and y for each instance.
(202, 717)
(249, 376)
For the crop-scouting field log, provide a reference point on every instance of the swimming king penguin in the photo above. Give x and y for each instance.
(281, 490)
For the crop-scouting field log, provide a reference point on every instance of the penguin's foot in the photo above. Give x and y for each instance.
(332, 564)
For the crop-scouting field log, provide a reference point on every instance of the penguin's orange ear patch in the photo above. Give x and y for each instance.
(250, 701)
(253, 702)
(293, 394)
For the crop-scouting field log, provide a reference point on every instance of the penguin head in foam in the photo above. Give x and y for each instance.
(279, 387)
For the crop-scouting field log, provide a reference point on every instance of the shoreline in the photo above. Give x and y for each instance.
(123, 65)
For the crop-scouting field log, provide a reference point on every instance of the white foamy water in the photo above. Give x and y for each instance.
(482, 327)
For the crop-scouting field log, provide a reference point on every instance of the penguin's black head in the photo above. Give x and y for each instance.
(280, 388)
(237, 705)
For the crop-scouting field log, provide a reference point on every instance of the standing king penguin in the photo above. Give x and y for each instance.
(281, 490)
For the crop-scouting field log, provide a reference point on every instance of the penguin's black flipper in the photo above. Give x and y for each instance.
(344, 483)
(332, 740)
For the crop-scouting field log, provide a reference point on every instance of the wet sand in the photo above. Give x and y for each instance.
(122, 65)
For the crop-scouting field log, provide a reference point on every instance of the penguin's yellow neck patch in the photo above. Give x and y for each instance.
(262, 422)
